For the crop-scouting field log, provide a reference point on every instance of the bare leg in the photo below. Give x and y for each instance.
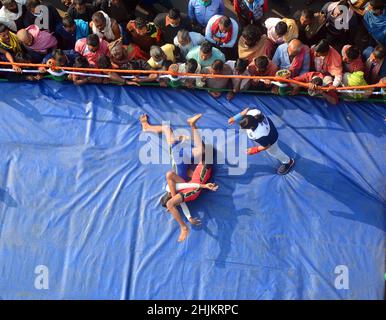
(166, 130)
(172, 207)
(172, 179)
(199, 147)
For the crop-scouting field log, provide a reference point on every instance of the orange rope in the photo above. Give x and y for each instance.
(220, 76)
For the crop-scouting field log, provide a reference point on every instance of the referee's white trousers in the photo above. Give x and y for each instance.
(275, 152)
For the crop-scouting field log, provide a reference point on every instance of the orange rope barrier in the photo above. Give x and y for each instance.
(220, 76)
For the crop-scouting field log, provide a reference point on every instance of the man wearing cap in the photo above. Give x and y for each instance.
(161, 57)
(261, 129)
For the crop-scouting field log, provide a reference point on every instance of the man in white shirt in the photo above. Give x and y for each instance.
(186, 40)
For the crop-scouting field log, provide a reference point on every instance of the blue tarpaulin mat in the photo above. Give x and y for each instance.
(75, 198)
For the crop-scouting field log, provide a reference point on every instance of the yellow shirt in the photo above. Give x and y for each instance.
(168, 49)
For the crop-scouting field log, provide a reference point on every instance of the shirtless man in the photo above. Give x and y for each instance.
(199, 177)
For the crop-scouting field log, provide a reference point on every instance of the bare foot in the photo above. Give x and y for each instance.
(144, 121)
(184, 234)
(192, 121)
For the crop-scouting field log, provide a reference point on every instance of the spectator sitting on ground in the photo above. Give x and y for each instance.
(200, 11)
(57, 58)
(218, 67)
(81, 62)
(205, 54)
(113, 77)
(281, 30)
(316, 80)
(186, 40)
(143, 33)
(293, 56)
(263, 67)
(253, 44)
(92, 48)
(352, 60)
(190, 66)
(222, 31)
(12, 14)
(375, 65)
(69, 31)
(170, 23)
(327, 60)
(80, 9)
(104, 27)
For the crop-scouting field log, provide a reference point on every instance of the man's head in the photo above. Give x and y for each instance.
(251, 122)
(174, 16)
(261, 64)
(191, 66)
(4, 33)
(217, 67)
(294, 47)
(165, 198)
(80, 5)
(378, 54)
(158, 55)
(205, 50)
(241, 65)
(306, 17)
(351, 54)
(60, 58)
(99, 20)
(104, 62)
(116, 49)
(225, 24)
(25, 37)
(183, 37)
(81, 62)
(281, 29)
(251, 35)
(322, 48)
(376, 6)
(31, 5)
(140, 25)
(10, 5)
(69, 24)
(318, 81)
(93, 42)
